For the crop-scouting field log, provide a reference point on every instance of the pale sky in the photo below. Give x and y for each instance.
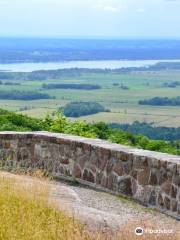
(90, 18)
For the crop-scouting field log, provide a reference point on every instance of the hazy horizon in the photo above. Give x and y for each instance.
(119, 19)
(69, 37)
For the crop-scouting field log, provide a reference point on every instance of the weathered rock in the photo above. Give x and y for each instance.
(176, 180)
(134, 186)
(134, 173)
(112, 182)
(143, 176)
(104, 182)
(91, 177)
(103, 157)
(173, 191)
(99, 176)
(118, 168)
(160, 200)
(127, 167)
(77, 171)
(152, 199)
(122, 156)
(64, 161)
(85, 175)
(152, 178)
(178, 208)
(7, 145)
(173, 205)
(124, 186)
(88, 176)
(172, 167)
(167, 202)
(166, 187)
(162, 176)
(109, 167)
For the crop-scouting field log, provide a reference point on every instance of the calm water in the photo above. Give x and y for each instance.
(111, 64)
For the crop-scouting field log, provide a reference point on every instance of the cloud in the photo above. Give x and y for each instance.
(108, 8)
(141, 10)
(171, 0)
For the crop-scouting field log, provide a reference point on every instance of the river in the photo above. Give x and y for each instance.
(110, 64)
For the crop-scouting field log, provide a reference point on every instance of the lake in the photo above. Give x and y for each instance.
(111, 64)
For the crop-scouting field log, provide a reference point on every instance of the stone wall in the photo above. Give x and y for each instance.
(149, 177)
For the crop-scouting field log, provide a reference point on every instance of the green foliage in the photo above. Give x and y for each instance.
(120, 137)
(142, 141)
(80, 128)
(161, 101)
(23, 95)
(59, 123)
(16, 122)
(71, 86)
(156, 133)
(77, 109)
(47, 122)
(102, 130)
(24, 122)
(62, 125)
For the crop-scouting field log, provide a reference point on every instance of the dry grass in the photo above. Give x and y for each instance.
(25, 214)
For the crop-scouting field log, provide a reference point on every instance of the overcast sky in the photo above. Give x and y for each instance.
(90, 18)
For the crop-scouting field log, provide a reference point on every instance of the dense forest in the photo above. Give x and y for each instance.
(78, 109)
(71, 86)
(157, 133)
(23, 95)
(10, 121)
(161, 101)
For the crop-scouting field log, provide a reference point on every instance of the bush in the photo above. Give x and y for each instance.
(161, 101)
(59, 123)
(18, 95)
(78, 109)
(71, 86)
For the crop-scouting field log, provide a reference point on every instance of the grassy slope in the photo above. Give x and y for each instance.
(25, 215)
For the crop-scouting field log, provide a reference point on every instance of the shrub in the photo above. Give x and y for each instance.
(77, 109)
(59, 123)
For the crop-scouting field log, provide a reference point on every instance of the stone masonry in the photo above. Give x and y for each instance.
(151, 178)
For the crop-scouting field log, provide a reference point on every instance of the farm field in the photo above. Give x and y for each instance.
(123, 103)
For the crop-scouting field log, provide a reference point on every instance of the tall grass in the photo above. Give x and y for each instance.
(25, 215)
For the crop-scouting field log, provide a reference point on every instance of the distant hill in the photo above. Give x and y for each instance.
(13, 50)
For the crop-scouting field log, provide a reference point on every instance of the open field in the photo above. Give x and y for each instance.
(122, 103)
